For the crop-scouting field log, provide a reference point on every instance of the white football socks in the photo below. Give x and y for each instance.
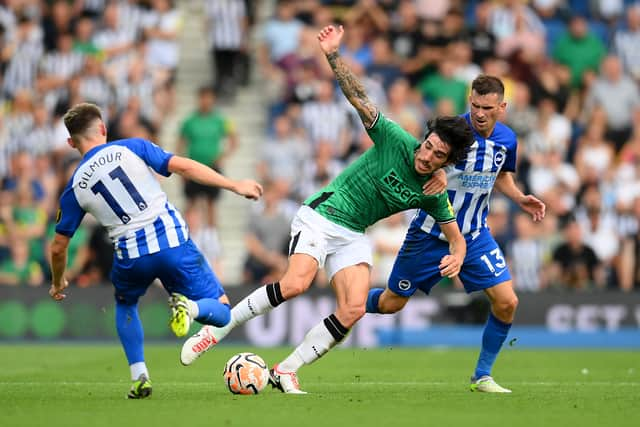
(316, 343)
(254, 305)
(138, 369)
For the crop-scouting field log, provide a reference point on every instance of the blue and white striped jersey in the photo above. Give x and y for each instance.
(115, 184)
(470, 181)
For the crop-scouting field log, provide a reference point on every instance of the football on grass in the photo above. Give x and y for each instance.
(246, 373)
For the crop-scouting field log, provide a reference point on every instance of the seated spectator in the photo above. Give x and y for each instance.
(618, 96)
(556, 182)
(383, 66)
(21, 269)
(284, 154)
(552, 132)
(599, 228)
(387, 237)
(626, 42)
(580, 50)
(406, 108)
(526, 255)
(334, 128)
(594, 156)
(267, 239)
(444, 84)
(575, 265)
(206, 239)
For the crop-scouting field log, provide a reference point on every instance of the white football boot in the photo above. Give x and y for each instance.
(486, 384)
(286, 382)
(198, 344)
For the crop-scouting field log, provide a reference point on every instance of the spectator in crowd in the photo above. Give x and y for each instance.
(21, 269)
(203, 137)
(206, 239)
(387, 237)
(383, 66)
(626, 42)
(284, 154)
(334, 127)
(267, 238)
(556, 181)
(280, 35)
(575, 265)
(227, 29)
(599, 231)
(580, 50)
(526, 254)
(618, 95)
(594, 156)
(444, 84)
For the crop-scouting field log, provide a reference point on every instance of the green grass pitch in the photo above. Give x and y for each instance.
(84, 385)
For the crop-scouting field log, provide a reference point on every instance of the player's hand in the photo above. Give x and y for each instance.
(450, 266)
(249, 188)
(56, 290)
(436, 185)
(533, 206)
(329, 38)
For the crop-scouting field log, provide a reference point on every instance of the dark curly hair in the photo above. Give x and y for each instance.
(456, 132)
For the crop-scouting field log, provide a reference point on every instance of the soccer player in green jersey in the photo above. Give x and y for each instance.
(329, 229)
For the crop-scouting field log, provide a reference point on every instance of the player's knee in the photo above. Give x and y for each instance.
(507, 307)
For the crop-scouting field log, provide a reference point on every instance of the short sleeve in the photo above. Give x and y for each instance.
(154, 156)
(510, 161)
(441, 209)
(69, 214)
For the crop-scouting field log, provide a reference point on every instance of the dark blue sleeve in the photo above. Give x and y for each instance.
(70, 213)
(154, 156)
(512, 148)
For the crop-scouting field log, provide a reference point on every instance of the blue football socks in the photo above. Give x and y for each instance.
(130, 332)
(213, 312)
(495, 332)
(372, 300)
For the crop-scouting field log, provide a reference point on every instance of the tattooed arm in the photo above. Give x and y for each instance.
(352, 88)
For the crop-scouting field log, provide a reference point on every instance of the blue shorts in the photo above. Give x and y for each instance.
(416, 266)
(182, 269)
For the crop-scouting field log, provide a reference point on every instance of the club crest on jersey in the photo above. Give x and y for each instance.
(400, 188)
(499, 159)
(404, 284)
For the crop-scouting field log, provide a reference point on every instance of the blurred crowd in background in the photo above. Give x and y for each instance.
(571, 70)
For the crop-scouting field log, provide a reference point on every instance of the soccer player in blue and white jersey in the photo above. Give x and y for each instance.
(115, 183)
(490, 162)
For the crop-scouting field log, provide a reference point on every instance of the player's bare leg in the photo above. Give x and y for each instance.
(351, 286)
(297, 279)
(503, 306)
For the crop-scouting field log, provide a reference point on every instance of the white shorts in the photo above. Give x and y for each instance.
(333, 246)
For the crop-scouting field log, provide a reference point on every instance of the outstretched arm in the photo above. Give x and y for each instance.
(528, 203)
(352, 88)
(202, 174)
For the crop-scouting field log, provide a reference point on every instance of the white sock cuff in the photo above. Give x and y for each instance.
(138, 369)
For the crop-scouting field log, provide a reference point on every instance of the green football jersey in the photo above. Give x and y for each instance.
(381, 182)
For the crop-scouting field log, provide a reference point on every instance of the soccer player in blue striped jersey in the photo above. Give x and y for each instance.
(490, 163)
(115, 183)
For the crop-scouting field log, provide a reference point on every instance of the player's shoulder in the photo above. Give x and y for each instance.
(504, 133)
(128, 142)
